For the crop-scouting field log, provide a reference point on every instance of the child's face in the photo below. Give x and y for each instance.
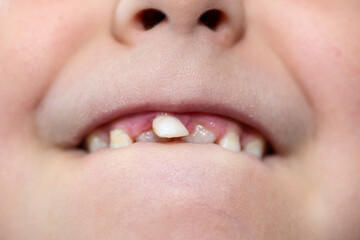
(288, 70)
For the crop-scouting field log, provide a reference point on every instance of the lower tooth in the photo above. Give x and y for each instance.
(200, 135)
(95, 142)
(256, 147)
(119, 139)
(150, 136)
(231, 141)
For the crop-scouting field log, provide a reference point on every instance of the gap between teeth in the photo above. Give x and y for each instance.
(166, 128)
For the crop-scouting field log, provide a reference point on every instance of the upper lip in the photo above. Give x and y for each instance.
(70, 133)
(69, 111)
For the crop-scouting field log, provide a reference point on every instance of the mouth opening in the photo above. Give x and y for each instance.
(177, 128)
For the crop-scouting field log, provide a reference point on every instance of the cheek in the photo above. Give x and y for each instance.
(318, 43)
(36, 40)
(323, 52)
(320, 46)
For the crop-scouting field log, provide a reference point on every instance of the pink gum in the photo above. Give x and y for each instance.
(135, 125)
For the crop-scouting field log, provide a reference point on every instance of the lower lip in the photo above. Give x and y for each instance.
(181, 180)
(179, 165)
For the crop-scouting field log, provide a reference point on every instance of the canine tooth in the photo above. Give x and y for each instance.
(200, 135)
(95, 142)
(150, 136)
(169, 127)
(119, 139)
(256, 147)
(231, 141)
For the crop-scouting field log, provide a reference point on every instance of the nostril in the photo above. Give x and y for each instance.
(211, 18)
(149, 18)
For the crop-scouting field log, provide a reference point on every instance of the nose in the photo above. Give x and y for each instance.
(136, 20)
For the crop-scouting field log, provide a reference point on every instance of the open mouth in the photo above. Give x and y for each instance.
(170, 128)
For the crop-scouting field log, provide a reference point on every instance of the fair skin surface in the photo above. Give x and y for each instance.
(288, 68)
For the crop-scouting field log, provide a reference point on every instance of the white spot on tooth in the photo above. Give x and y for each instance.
(256, 147)
(169, 127)
(119, 139)
(231, 141)
(200, 135)
(94, 142)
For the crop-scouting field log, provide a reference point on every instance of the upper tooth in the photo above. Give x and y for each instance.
(200, 135)
(256, 147)
(169, 127)
(150, 137)
(119, 139)
(231, 141)
(95, 142)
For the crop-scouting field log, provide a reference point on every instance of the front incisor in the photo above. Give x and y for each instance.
(169, 127)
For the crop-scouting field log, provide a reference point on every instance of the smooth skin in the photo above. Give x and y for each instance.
(291, 67)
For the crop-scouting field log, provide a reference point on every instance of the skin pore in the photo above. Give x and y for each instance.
(289, 68)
